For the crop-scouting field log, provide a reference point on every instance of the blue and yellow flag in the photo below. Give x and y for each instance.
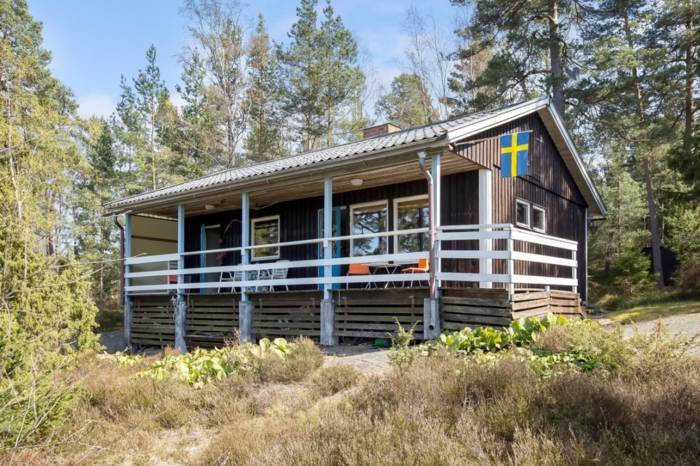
(514, 151)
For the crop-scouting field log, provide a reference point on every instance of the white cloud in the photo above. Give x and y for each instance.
(99, 105)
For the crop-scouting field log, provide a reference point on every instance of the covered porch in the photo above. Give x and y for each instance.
(374, 232)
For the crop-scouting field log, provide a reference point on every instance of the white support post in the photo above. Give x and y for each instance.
(245, 239)
(510, 267)
(436, 171)
(127, 281)
(485, 218)
(328, 337)
(245, 307)
(327, 231)
(180, 303)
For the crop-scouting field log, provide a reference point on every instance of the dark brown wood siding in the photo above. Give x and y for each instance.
(548, 184)
(299, 218)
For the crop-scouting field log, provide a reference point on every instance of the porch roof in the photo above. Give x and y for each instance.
(435, 136)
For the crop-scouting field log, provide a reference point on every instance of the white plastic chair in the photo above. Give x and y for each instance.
(280, 272)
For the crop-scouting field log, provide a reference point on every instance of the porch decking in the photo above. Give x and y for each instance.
(212, 319)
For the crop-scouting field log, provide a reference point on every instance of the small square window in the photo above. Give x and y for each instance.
(538, 223)
(522, 213)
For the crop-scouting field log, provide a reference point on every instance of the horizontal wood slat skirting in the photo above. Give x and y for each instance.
(374, 313)
(479, 307)
(288, 314)
(212, 320)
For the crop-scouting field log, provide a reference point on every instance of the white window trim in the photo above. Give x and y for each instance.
(397, 201)
(384, 202)
(527, 209)
(253, 221)
(544, 218)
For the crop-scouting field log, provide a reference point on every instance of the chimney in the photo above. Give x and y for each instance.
(379, 130)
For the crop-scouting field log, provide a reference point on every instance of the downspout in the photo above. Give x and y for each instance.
(431, 230)
(121, 261)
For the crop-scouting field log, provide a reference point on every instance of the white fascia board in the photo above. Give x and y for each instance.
(576, 158)
(505, 116)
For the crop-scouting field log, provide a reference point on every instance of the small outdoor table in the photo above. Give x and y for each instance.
(389, 267)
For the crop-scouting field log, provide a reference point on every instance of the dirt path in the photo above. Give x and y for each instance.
(687, 325)
(364, 358)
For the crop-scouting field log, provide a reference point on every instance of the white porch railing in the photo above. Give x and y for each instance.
(509, 246)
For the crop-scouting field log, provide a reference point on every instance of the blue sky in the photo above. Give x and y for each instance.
(94, 42)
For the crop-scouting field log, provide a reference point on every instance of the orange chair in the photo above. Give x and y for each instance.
(423, 267)
(357, 269)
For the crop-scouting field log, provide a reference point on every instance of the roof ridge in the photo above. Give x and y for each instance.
(260, 166)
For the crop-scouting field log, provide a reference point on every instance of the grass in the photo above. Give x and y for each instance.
(639, 404)
(653, 311)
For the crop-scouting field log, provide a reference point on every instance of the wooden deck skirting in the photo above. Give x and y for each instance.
(212, 319)
(373, 313)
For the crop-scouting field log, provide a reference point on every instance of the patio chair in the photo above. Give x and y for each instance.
(172, 279)
(280, 272)
(357, 269)
(423, 267)
(234, 277)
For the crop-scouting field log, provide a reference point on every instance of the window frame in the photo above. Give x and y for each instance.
(351, 223)
(527, 209)
(544, 218)
(395, 215)
(253, 222)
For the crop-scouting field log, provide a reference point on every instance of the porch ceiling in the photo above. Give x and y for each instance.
(392, 171)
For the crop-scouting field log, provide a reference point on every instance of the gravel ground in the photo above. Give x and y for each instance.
(364, 358)
(113, 341)
(687, 325)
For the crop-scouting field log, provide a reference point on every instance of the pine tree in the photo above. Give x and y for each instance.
(202, 133)
(676, 27)
(264, 139)
(46, 312)
(216, 28)
(149, 121)
(408, 103)
(341, 77)
(96, 183)
(530, 51)
(621, 92)
(321, 78)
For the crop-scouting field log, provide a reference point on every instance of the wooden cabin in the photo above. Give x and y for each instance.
(475, 220)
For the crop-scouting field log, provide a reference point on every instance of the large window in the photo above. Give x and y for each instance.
(368, 218)
(266, 230)
(410, 213)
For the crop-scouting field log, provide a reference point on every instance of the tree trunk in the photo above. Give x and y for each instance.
(646, 168)
(653, 225)
(557, 73)
(151, 143)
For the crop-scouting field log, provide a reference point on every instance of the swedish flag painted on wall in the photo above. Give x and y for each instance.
(514, 153)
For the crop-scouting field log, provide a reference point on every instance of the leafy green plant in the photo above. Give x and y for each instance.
(400, 354)
(122, 359)
(203, 366)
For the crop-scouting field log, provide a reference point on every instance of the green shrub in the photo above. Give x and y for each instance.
(47, 318)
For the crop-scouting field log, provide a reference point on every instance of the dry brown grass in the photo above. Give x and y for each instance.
(294, 367)
(439, 410)
(334, 379)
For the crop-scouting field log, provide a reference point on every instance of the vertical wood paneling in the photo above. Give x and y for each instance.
(548, 184)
